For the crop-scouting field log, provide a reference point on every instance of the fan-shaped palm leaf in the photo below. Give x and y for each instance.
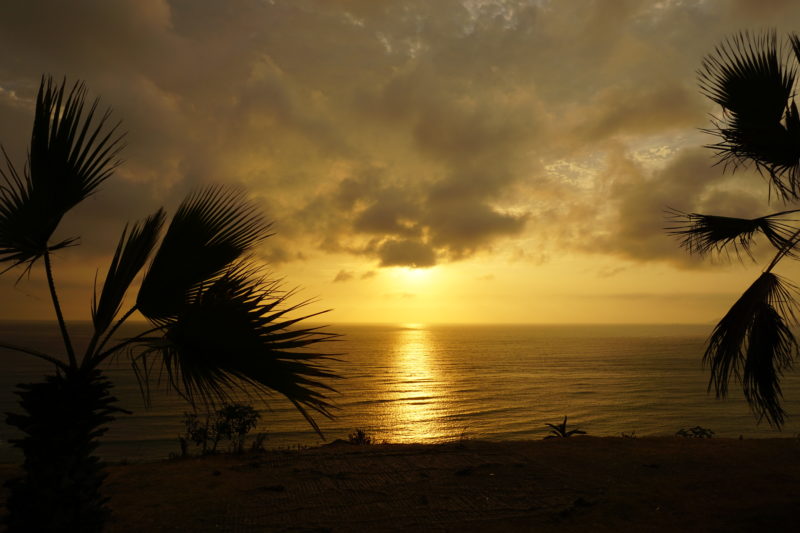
(23, 233)
(754, 343)
(132, 252)
(749, 76)
(703, 234)
(235, 331)
(210, 230)
(70, 155)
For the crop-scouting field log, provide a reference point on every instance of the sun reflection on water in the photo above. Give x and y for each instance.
(417, 401)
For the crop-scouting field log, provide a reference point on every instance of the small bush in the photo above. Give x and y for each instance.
(231, 422)
(199, 433)
(360, 437)
(696, 432)
(234, 421)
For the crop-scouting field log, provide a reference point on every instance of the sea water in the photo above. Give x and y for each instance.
(417, 383)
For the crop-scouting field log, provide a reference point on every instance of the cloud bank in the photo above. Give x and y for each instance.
(407, 133)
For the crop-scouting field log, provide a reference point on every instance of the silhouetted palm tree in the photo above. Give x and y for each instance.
(752, 76)
(218, 326)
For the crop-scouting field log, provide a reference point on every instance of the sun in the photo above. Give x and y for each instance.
(412, 276)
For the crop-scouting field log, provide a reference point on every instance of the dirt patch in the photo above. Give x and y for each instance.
(581, 483)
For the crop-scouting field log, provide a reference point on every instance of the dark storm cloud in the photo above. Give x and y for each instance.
(391, 212)
(462, 227)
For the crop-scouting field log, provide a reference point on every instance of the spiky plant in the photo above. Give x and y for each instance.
(753, 78)
(560, 430)
(218, 326)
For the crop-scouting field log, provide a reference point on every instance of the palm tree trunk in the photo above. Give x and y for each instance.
(59, 490)
(59, 315)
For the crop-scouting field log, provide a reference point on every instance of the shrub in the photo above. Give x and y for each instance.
(560, 430)
(360, 437)
(233, 421)
(696, 432)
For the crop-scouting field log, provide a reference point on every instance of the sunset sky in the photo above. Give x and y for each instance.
(454, 161)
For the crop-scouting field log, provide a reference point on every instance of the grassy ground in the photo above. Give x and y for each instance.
(576, 484)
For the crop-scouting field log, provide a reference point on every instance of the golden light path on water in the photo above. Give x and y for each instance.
(416, 398)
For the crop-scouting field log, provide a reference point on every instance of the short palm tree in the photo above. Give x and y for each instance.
(217, 325)
(752, 77)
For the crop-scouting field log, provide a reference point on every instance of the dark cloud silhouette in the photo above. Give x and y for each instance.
(393, 213)
(406, 253)
(463, 227)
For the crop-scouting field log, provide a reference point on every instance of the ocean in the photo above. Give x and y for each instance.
(417, 383)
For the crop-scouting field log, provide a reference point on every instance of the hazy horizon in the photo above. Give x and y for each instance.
(313, 323)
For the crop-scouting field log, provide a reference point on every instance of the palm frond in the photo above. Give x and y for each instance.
(132, 252)
(211, 229)
(703, 234)
(749, 75)
(754, 344)
(24, 232)
(794, 40)
(234, 334)
(70, 155)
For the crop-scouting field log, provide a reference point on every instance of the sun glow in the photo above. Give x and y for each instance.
(417, 400)
(413, 277)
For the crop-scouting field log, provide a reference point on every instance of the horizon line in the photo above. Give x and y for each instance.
(405, 323)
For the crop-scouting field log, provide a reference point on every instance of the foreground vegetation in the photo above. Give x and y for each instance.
(753, 79)
(217, 324)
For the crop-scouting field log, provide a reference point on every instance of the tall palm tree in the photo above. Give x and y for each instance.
(753, 78)
(218, 326)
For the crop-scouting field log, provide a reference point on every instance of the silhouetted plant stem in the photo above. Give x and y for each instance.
(790, 244)
(114, 329)
(35, 353)
(87, 356)
(111, 351)
(90, 350)
(61, 324)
